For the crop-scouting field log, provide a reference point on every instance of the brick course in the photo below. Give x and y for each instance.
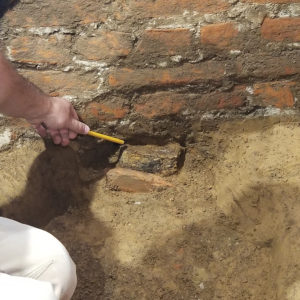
(222, 100)
(104, 111)
(160, 105)
(219, 35)
(56, 13)
(187, 74)
(282, 29)
(165, 41)
(59, 83)
(37, 50)
(144, 68)
(148, 8)
(276, 94)
(265, 66)
(108, 45)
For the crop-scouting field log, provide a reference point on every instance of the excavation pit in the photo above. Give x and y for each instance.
(226, 228)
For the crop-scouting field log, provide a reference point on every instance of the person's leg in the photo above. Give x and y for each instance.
(26, 251)
(16, 288)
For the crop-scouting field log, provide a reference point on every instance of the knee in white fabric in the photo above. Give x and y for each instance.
(16, 288)
(61, 270)
(29, 252)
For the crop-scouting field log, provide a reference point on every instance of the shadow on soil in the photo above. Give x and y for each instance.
(58, 183)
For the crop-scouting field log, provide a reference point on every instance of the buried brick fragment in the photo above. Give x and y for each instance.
(152, 159)
(126, 180)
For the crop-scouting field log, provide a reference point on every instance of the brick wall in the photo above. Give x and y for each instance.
(143, 69)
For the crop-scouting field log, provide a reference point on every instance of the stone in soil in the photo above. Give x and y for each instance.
(163, 160)
(127, 180)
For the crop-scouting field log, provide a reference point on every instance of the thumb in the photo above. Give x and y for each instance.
(79, 127)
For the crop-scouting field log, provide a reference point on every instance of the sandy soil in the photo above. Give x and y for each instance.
(229, 227)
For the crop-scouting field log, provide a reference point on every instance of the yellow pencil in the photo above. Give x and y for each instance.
(105, 137)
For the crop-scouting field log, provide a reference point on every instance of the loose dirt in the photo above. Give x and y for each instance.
(229, 228)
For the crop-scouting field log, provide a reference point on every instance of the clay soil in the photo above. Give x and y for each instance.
(229, 228)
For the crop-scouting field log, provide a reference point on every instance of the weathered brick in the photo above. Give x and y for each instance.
(149, 8)
(152, 159)
(37, 50)
(276, 94)
(265, 66)
(111, 110)
(160, 104)
(222, 100)
(127, 180)
(59, 83)
(219, 35)
(165, 41)
(187, 74)
(272, 1)
(42, 13)
(283, 29)
(105, 46)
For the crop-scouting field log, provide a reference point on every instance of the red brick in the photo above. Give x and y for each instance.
(36, 50)
(177, 7)
(56, 13)
(264, 66)
(165, 41)
(272, 1)
(219, 35)
(187, 74)
(283, 29)
(105, 111)
(107, 45)
(276, 94)
(59, 83)
(160, 104)
(223, 100)
(134, 181)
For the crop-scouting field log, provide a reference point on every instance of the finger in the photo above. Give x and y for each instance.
(74, 113)
(78, 127)
(56, 137)
(72, 135)
(64, 133)
(41, 131)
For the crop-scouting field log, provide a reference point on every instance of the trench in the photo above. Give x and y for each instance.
(228, 228)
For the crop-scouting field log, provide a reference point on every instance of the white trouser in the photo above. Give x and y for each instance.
(34, 265)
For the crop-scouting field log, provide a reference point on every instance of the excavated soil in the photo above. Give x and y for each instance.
(229, 228)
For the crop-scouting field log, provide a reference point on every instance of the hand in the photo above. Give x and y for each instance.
(60, 121)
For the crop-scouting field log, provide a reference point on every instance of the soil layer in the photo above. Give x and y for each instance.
(228, 228)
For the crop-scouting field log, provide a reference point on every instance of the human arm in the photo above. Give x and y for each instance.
(20, 98)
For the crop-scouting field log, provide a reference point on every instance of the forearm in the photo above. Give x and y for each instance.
(49, 115)
(18, 97)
